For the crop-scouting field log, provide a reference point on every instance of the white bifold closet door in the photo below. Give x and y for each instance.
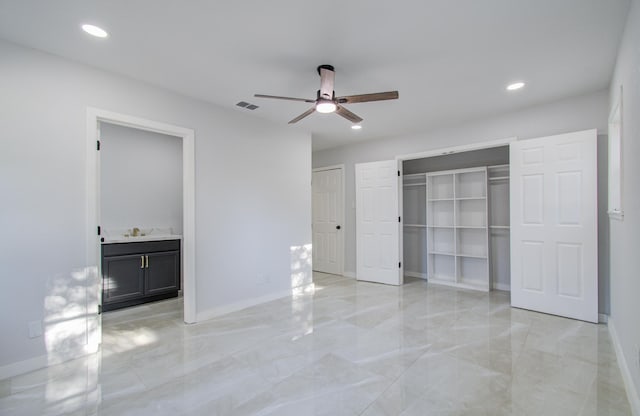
(554, 240)
(377, 222)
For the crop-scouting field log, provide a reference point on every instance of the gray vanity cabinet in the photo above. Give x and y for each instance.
(139, 272)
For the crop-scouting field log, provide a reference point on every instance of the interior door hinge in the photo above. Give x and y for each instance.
(98, 230)
(98, 145)
(398, 173)
(399, 220)
(399, 265)
(99, 309)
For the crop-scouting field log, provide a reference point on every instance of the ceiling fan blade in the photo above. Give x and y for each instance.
(303, 115)
(363, 98)
(277, 97)
(341, 111)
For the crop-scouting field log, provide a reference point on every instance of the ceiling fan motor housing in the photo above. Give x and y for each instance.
(327, 77)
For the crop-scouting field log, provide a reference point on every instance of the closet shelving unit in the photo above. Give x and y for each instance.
(414, 224)
(457, 228)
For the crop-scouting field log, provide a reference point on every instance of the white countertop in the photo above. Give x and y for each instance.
(123, 235)
(139, 239)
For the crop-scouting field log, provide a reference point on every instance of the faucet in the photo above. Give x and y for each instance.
(136, 232)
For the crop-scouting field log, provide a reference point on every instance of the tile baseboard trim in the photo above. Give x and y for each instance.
(233, 307)
(43, 361)
(632, 393)
(351, 275)
(21, 367)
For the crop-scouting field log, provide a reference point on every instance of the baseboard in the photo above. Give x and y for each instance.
(603, 318)
(42, 361)
(233, 307)
(502, 286)
(351, 275)
(21, 367)
(632, 392)
(417, 275)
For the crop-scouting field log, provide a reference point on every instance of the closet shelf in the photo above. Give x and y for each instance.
(414, 184)
(499, 178)
(415, 225)
(500, 227)
(471, 198)
(440, 226)
(439, 199)
(473, 256)
(441, 253)
(498, 167)
(472, 227)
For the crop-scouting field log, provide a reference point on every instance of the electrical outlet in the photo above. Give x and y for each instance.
(35, 329)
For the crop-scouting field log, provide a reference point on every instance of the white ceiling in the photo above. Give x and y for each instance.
(450, 60)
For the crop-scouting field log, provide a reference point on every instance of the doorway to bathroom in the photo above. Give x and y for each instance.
(122, 198)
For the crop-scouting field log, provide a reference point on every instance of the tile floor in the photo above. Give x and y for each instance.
(349, 348)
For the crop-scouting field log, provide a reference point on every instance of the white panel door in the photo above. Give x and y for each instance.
(327, 213)
(377, 224)
(554, 239)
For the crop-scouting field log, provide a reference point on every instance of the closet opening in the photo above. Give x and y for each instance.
(455, 228)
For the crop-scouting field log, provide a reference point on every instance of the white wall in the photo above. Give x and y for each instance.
(140, 179)
(252, 213)
(572, 114)
(625, 235)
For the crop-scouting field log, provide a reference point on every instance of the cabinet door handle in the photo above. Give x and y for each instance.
(147, 261)
(142, 262)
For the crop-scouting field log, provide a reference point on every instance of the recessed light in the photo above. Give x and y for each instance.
(515, 86)
(95, 31)
(356, 126)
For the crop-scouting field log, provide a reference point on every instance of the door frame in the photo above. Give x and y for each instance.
(93, 245)
(341, 215)
(441, 151)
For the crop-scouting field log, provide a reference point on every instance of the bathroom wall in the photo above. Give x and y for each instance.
(140, 179)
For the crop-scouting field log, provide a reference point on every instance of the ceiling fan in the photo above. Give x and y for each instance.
(327, 102)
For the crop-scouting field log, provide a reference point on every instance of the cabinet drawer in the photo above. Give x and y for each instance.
(118, 249)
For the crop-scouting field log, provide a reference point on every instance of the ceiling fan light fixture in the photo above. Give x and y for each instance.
(356, 127)
(326, 106)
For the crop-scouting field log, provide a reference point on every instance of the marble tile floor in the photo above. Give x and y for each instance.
(348, 348)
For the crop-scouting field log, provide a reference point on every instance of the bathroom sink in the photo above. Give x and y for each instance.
(153, 234)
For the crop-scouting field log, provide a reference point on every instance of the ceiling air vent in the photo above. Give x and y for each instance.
(247, 105)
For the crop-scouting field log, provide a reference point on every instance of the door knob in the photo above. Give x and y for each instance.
(337, 227)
